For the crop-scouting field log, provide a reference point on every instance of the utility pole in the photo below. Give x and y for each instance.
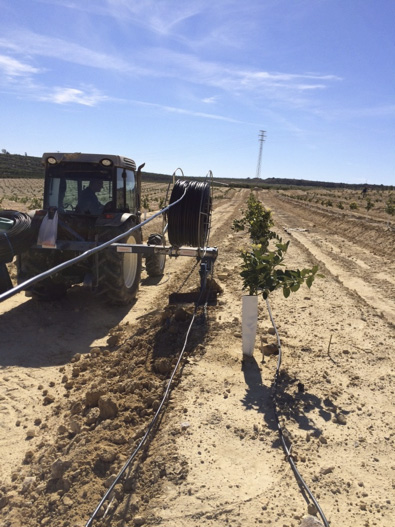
(261, 140)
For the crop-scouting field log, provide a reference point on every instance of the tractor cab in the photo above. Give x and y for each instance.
(90, 184)
(89, 199)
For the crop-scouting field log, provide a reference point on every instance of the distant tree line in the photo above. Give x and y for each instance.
(15, 165)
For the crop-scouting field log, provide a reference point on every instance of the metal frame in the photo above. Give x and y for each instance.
(141, 248)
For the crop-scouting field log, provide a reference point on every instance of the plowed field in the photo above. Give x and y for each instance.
(80, 383)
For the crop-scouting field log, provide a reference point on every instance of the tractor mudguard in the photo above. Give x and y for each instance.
(115, 219)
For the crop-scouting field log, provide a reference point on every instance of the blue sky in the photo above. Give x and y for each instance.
(177, 83)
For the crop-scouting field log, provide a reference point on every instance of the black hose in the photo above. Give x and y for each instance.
(287, 450)
(19, 238)
(189, 220)
(155, 417)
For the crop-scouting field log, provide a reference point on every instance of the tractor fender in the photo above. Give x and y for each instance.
(115, 219)
(37, 215)
(34, 214)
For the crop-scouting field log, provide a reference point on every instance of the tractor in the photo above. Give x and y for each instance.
(89, 199)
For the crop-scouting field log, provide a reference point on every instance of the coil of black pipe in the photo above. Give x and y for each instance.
(19, 238)
(189, 220)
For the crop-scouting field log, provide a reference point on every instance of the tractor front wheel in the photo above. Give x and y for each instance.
(34, 262)
(155, 263)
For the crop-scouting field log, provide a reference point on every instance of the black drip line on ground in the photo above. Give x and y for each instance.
(154, 419)
(287, 450)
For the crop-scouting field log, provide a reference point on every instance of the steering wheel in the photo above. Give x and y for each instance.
(68, 206)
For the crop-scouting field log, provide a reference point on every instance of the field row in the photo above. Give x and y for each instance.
(26, 194)
(380, 203)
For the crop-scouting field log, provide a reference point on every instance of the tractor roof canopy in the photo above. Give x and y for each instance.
(54, 158)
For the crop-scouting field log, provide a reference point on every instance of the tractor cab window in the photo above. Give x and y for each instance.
(125, 192)
(78, 193)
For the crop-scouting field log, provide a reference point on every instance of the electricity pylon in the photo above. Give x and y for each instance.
(261, 140)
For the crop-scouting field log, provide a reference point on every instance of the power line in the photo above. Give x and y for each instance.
(261, 141)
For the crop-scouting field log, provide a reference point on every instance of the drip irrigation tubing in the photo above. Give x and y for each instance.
(189, 220)
(287, 450)
(154, 419)
(84, 255)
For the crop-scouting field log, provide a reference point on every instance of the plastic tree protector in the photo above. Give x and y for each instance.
(249, 323)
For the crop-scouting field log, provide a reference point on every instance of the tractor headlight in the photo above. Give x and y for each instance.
(51, 160)
(106, 162)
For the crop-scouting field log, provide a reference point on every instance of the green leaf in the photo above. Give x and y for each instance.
(309, 281)
(286, 292)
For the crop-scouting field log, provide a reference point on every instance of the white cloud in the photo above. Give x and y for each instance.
(192, 113)
(159, 17)
(15, 68)
(253, 80)
(210, 100)
(87, 97)
(221, 19)
(303, 87)
(157, 63)
(230, 78)
(30, 43)
(164, 63)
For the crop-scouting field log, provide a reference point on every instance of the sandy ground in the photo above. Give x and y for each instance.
(80, 383)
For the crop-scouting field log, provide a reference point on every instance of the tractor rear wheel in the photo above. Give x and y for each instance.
(119, 273)
(32, 263)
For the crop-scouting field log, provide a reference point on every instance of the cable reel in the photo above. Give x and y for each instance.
(189, 221)
(18, 236)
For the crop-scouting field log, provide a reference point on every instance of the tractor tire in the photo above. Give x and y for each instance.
(5, 280)
(119, 273)
(32, 263)
(155, 263)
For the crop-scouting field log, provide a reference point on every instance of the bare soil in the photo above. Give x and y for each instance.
(80, 383)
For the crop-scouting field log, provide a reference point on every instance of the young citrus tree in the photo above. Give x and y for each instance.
(263, 269)
(258, 222)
